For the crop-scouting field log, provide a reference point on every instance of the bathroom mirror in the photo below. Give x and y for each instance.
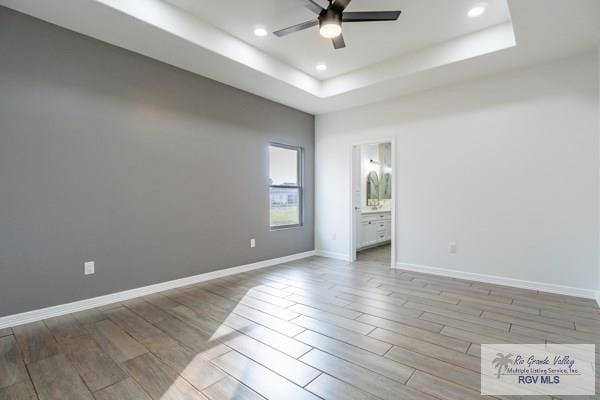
(372, 189)
(385, 184)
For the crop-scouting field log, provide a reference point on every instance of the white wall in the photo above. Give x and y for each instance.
(506, 167)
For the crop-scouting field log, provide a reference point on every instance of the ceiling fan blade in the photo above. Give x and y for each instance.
(296, 28)
(313, 6)
(340, 5)
(366, 16)
(338, 42)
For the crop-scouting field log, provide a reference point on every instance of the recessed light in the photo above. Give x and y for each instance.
(321, 67)
(260, 31)
(476, 11)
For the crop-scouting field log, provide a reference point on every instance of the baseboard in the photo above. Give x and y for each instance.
(499, 280)
(332, 254)
(54, 311)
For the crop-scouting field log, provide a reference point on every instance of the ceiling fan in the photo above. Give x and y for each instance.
(331, 15)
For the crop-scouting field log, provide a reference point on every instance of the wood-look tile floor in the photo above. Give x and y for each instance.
(310, 329)
(381, 254)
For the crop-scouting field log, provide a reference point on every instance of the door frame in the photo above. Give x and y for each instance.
(353, 220)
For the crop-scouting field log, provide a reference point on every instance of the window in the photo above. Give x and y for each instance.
(285, 186)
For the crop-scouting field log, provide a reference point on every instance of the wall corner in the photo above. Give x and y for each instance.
(598, 99)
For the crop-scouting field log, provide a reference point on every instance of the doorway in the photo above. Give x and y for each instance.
(373, 206)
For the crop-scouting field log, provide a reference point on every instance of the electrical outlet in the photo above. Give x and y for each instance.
(252, 243)
(89, 268)
(452, 248)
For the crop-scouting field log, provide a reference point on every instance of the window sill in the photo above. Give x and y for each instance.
(284, 227)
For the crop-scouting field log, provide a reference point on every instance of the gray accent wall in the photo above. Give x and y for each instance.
(152, 172)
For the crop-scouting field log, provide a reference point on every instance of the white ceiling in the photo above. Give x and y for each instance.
(433, 42)
(421, 24)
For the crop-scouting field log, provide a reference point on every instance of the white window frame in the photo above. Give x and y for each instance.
(299, 186)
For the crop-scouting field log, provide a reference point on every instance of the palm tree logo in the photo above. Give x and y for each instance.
(502, 361)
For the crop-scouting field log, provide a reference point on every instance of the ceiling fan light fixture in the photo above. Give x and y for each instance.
(330, 24)
(330, 30)
(332, 15)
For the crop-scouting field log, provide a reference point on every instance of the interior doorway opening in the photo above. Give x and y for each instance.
(372, 192)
